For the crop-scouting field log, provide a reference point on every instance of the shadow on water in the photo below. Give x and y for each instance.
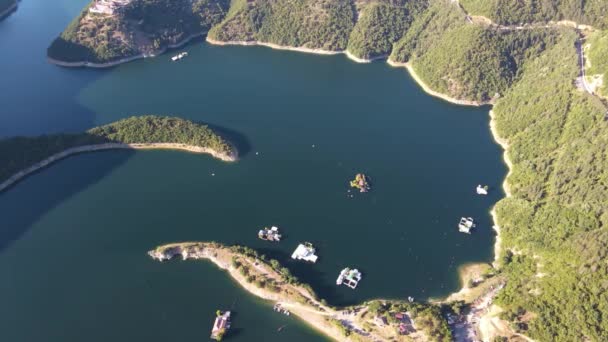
(238, 139)
(19, 210)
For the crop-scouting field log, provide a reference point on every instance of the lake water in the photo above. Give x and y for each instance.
(73, 237)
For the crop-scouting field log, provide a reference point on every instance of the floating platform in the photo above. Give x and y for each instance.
(270, 234)
(349, 277)
(482, 190)
(221, 325)
(305, 251)
(466, 224)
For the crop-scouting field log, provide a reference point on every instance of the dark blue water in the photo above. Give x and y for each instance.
(73, 237)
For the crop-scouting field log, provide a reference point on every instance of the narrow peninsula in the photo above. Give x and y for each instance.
(376, 320)
(21, 156)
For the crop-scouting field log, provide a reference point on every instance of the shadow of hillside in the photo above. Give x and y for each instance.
(23, 205)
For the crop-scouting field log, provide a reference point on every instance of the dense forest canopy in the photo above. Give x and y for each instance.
(554, 226)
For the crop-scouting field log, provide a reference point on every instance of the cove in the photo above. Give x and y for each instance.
(75, 236)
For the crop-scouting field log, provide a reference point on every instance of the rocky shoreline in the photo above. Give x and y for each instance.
(109, 146)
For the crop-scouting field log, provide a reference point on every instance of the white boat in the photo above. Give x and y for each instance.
(466, 224)
(305, 252)
(482, 190)
(349, 278)
(179, 56)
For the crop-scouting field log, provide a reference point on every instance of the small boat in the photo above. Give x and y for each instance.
(179, 56)
(466, 224)
(361, 182)
(278, 308)
(482, 190)
(349, 277)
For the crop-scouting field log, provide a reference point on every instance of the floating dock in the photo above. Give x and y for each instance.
(466, 224)
(221, 325)
(305, 251)
(482, 190)
(349, 277)
(270, 234)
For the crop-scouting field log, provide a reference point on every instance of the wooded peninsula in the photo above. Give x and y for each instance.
(20, 156)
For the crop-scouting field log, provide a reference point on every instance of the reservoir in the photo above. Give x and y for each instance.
(74, 237)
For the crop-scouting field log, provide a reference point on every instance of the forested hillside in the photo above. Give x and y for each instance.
(323, 24)
(597, 62)
(141, 27)
(591, 12)
(555, 224)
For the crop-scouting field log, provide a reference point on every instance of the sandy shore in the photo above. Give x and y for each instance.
(295, 48)
(108, 146)
(126, 59)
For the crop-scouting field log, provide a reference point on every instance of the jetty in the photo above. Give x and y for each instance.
(179, 56)
(361, 182)
(482, 190)
(270, 234)
(349, 277)
(221, 325)
(466, 224)
(305, 251)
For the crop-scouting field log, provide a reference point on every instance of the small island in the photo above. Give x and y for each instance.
(361, 182)
(376, 320)
(21, 156)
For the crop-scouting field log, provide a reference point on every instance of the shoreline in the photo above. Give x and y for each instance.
(125, 59)
(505, 184)
(111, 146)
(427, 89)
(313, 312)
(4, 14)
(295, 49)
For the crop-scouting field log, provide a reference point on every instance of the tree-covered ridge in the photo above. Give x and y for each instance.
(323, 24)
(554, 227)
(20, 153)
(597, 61)
(141, 27)
(591, 12)
(467, 61)
(380, 25)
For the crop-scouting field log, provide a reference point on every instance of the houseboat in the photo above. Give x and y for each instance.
(482, 190)
(270, 234)
(221, 325)
(305, 251)
(349, 277)
(466, 224)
